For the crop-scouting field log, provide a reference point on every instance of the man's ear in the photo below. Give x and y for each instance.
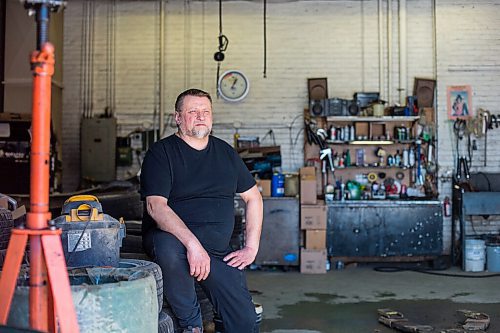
(177, 117)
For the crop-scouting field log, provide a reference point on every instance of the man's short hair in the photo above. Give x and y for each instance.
(190, 92)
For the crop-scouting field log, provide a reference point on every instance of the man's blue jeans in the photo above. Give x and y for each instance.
(225, 286)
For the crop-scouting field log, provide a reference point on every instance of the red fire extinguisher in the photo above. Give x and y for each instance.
(447, 207)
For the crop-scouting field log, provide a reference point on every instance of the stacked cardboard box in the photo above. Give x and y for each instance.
(264, 186)
(313, 225)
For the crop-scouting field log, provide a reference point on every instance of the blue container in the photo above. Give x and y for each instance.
(493, 257)
(278, 185)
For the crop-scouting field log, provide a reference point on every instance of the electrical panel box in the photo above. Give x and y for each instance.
(98, 144)
(280, 240)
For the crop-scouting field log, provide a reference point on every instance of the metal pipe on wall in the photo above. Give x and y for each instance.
(161, 86)
(380, 52)
(389, 50)
(434, 36)
(3, 11)
(403, 55)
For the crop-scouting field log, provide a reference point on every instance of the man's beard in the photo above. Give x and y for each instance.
(199, 132)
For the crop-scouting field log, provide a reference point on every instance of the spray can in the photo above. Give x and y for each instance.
(236, 136)
(333, 135)
(447, 207)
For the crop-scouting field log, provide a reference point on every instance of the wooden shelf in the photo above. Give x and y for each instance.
(373, 119)
(371, 142)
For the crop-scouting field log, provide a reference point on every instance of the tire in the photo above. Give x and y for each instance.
(132, 244)
(106, 300)
(122, 204)
(140, 256)
(147, 266)
(134, 227)
(206, 308)
(3, 253)
(6, 225)
(165, 322)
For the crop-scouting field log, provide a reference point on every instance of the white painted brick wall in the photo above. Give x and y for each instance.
(468, 35)
(333, 39)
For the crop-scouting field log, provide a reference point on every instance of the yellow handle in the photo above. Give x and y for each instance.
(83, 197)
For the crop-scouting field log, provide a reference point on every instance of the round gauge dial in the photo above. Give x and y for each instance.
(233, 86)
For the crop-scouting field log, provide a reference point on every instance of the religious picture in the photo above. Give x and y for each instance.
(459, 102)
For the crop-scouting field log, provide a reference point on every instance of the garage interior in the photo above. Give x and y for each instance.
(370, 127)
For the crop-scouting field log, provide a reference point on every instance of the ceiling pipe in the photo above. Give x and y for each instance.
(403, 54)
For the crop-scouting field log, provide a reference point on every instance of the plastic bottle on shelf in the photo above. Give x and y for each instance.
(347, 159)
(390, 160)
(406, 161)
(397, 158)
(411, 157)
(342, 191)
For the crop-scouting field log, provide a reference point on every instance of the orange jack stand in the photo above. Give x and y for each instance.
(51, 304)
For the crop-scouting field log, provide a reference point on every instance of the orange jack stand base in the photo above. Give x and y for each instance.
(54, 261)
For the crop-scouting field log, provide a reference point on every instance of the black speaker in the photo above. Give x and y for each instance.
(353, 108)
(317, 89)
(423, 89)
(319, 108)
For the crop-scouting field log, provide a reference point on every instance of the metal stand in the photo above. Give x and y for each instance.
(51, 304)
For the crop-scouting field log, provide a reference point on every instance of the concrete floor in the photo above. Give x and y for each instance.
(346, 301)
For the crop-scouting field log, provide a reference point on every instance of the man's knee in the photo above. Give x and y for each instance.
(171, 261)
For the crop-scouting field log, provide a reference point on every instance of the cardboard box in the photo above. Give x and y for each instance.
(315, 239)
(308, 173)
(313, 216)
(308, 192)
(361, 130)
(264, 186)
(378, 131)
(312, 261)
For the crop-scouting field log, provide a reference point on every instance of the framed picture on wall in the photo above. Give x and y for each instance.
(459, 102)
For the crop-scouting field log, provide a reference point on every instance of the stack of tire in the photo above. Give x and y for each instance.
(219, 327)
(128, 206)
(6, 225)
(165, 321)
(115, 291)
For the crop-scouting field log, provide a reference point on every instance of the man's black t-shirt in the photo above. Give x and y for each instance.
(199, 185)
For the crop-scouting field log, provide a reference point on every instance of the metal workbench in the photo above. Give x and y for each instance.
(388, 228)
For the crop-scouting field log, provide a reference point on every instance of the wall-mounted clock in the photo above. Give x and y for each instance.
(233, 86)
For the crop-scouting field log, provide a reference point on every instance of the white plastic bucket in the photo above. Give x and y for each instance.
(475, 255)
(493, 257)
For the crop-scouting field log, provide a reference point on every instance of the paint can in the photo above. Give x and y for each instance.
(474, 255)
(291, 184)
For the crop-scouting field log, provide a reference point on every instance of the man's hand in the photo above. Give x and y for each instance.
(241, 258)
(199, 262)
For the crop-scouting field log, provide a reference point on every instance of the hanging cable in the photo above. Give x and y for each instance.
(223, 43)
(265, 40)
